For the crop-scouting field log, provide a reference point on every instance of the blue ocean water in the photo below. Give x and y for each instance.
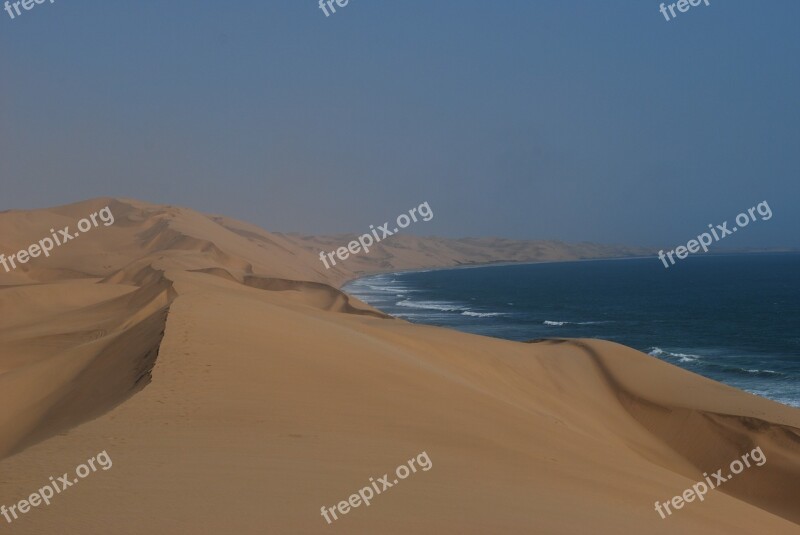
(732, 318)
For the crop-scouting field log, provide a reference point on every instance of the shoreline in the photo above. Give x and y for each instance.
(272, 373)
(501, 263)
(699, 355)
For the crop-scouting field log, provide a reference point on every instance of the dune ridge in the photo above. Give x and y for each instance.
(238, 390)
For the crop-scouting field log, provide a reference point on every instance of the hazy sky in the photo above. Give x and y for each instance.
(538, 119)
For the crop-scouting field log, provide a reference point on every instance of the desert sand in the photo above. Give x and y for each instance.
(238, 390)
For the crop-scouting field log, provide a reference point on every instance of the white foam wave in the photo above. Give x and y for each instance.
(481, 314)
(682, 357)
(388, 289)
(431, 305)
(560, 323)
(786, 400)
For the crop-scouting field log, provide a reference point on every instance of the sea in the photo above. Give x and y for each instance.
(731, 318)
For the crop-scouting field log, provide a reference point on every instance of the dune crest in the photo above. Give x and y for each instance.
(238, 390)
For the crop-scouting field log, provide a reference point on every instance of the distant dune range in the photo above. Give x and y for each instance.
(238, 390)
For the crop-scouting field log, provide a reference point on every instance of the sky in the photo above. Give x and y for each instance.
(541, 119)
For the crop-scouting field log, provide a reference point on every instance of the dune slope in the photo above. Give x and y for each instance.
(237, 390)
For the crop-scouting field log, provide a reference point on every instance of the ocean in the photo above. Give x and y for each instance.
(732, 318)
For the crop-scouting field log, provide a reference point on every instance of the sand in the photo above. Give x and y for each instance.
(238, 390)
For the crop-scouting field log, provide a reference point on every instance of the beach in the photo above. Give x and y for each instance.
(731, 318)
(239, 390)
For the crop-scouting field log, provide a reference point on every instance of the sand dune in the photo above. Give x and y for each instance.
(405, 252)
(238, 390)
